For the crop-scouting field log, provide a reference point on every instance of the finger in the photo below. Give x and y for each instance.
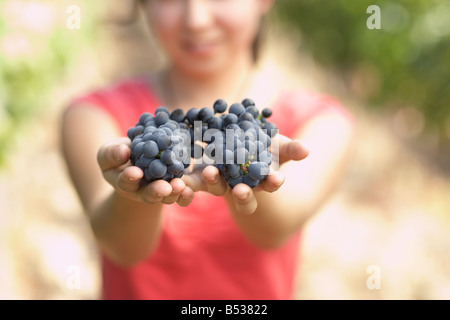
(244, 199)
(129, 179)
(194, 181)
(214, 182)
(186, 197)
(155, 191)
(177, 187)
(114, 154)
(291, 150)
(273, 182)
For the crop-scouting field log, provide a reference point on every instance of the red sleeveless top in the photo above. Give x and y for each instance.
(201, 253)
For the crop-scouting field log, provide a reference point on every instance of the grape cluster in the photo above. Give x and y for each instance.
(237, 142)
(158, 146)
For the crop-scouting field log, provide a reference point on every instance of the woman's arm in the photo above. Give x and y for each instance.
(280, 205)
(307, 183)
(125, 217)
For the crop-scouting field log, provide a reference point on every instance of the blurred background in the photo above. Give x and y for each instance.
(384, 234)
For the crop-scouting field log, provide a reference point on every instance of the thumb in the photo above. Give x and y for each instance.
(286, 149)
(114, 154)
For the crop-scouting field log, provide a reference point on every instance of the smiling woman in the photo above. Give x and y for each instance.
(203, 36)
(195, 237)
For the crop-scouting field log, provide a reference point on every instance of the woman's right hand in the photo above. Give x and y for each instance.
(126, 179)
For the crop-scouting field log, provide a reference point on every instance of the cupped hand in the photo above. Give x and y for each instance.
(127, 180)
(243, 197)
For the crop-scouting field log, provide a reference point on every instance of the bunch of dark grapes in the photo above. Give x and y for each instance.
(237, 143)
(158, 145)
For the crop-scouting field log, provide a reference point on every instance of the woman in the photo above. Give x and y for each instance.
(195, 237)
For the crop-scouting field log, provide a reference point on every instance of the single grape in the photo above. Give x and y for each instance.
(258, 170)
(162, 109)
(177, 115)
(250, 146)
(237, 109)
(271, 129)
(167, 130)
(246, 116)
(147, 174)
(215, 123)
(151, 122)
(253, 111)
(163, 142)
(145, 161)
(232, 126)
(167, 177)
(250, 182)
(266, 157)
(230, 118)
(205, 114)
(146, 136)
(234, 182)
(266, 112)
(175, 168)
(157, 168)
(138, 129)
(138, 149)
(172, 125)
(245, 125)
(228, 156)
(241, 155)
(184, 125)
(145, 117)
(134, 143)
(192, 115)
(248, 102)
(167, 157)
(150, 149)
(232, 170)
(131, 133)
(220, 106)
(161, 118)
(259, 146)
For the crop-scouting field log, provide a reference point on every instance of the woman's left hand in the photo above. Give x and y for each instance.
(244, 197)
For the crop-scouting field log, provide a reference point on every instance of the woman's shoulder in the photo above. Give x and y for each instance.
(124, 99)
(286, 92)
(119, 89)
(294, 108)
(304, 102)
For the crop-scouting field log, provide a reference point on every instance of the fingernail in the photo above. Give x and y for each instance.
(244, 196)
(213, 180)
(117, 154)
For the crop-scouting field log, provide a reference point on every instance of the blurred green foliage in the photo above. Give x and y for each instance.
(404, 63)
(36, 51)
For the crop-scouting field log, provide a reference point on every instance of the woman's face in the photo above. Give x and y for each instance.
(202, 37)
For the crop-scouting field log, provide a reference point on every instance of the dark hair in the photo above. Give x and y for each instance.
(257, 42)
